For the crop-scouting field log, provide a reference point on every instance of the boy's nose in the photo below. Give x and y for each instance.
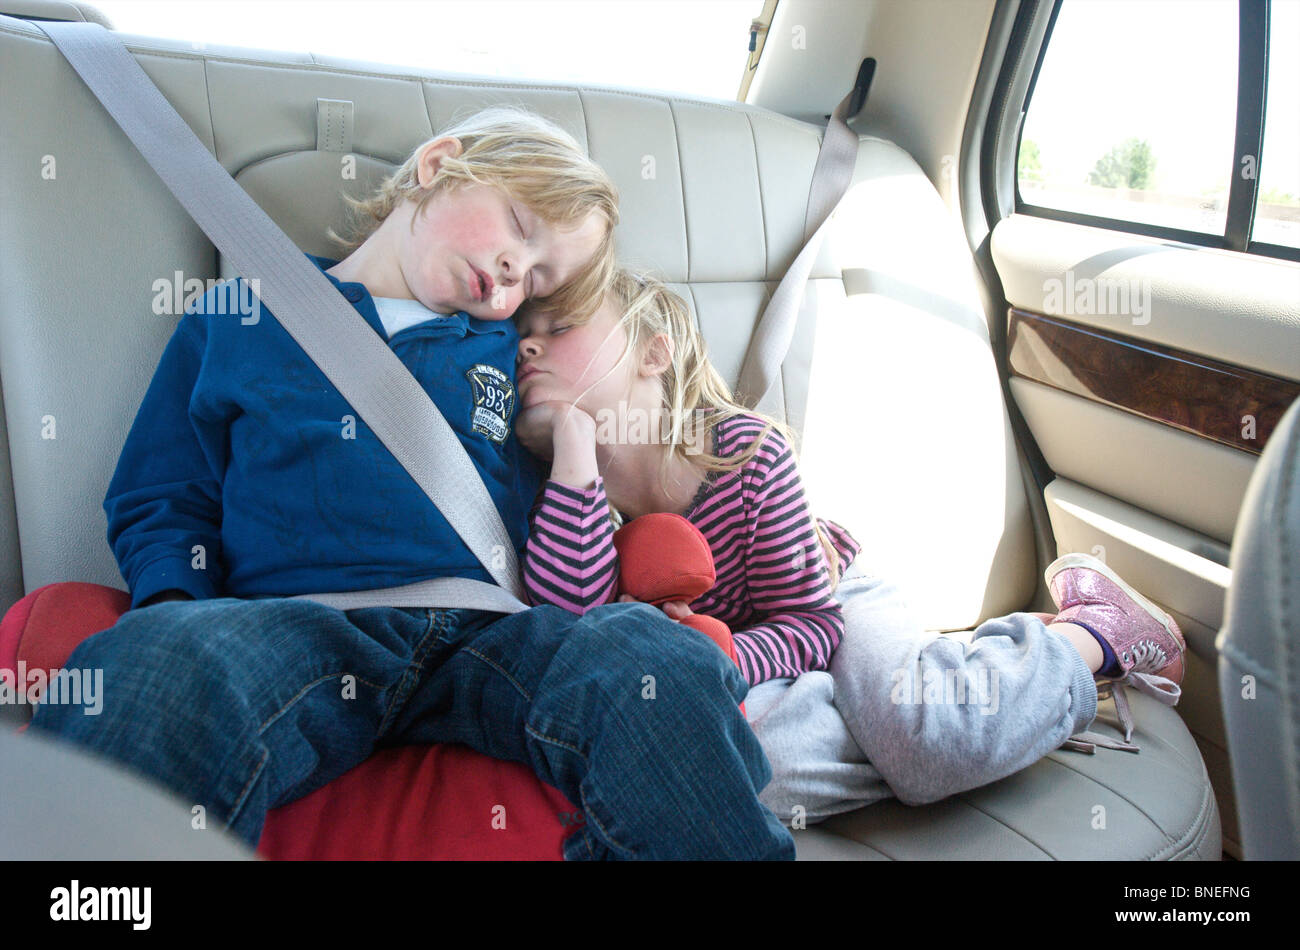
(511, 270)
(528, 346)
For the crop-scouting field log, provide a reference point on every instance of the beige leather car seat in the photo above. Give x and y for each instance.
(891, 378)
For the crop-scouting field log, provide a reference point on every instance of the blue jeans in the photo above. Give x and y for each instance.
(246, 705)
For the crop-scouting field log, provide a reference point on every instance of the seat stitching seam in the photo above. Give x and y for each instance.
(695, 304)
(1175, 845)
(832, 826)
(681, 177)
(1015, 831)
(212, 122)
(1197, 832)
(762, 208)
(1191, 852)
(1122, 797)
(586, 127)
(1290, 666)
(1250, 664)
(866, 844)
(1155, 737)
(428, 108)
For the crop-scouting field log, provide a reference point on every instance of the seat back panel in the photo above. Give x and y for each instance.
(890, 379)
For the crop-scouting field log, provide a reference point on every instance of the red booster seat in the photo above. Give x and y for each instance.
(415, 802)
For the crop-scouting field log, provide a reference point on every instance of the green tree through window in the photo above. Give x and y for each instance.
(1128, 165)
(1030, 167)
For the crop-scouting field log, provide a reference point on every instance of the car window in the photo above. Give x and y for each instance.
(1277, 213)
(699, 48)
(1133, 113)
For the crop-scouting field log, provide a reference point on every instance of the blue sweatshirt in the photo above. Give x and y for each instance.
(247, 474)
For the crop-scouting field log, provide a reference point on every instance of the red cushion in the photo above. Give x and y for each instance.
(45, 627)
(663, 556)
(715, 630)
(440, 802)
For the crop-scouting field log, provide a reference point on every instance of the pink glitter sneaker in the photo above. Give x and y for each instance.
(1147, 643)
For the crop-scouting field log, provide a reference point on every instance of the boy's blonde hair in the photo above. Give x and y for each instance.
(528, 157)
(695, 396)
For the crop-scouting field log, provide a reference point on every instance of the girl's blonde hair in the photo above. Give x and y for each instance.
(695, 396)
(528, 157)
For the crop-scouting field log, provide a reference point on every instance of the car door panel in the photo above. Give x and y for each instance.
(1151, 374)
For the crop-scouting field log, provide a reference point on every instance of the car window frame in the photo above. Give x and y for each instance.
(1243, 193)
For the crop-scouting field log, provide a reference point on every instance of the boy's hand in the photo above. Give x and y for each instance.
(538, 426)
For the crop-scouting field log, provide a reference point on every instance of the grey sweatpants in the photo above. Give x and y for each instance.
(915, 715)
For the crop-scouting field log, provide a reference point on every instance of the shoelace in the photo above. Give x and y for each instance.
(1159, 688)
(1146, 655)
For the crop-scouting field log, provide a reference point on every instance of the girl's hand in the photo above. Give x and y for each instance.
(675, 609)
(537, 425)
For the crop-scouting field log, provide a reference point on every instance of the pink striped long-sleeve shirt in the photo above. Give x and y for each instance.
(773, 581)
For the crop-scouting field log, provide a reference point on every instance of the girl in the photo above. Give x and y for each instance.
(635, 420)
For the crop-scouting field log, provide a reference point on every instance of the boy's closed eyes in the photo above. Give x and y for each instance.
(472, 247)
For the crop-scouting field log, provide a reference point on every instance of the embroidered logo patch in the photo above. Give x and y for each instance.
(494, 401)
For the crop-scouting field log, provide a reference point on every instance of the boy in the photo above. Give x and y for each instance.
(247, 479)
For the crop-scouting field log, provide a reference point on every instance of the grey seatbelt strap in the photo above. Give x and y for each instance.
(436, 592)
(775, 331)
(348, 351)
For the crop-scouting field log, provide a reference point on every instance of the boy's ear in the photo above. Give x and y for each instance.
(658, 355)
(429, 160)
